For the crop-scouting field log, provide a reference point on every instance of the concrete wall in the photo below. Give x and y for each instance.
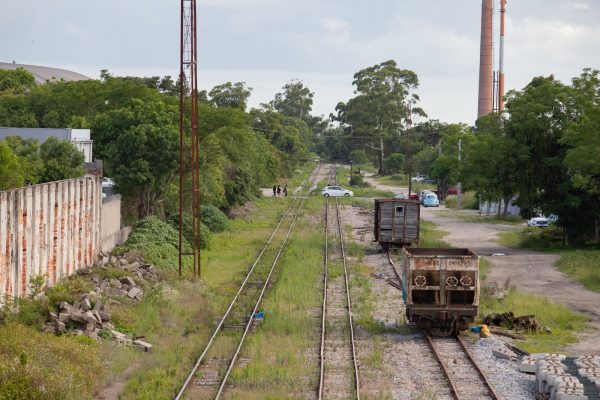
(52, 229)
(111, 233)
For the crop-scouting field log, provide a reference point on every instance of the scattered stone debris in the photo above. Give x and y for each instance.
(509, 321)
(90, 315)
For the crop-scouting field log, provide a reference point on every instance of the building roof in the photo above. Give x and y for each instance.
(42, 134)
(43, 74)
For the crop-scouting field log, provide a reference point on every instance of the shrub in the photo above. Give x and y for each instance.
(214, 218)
(188, 232)
(358, 157)
(394, 163)
(68, 290)
(158, 242)
(31, 313)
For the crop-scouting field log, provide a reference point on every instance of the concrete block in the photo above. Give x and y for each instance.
(97, 317)
(65, 306)
(90, 327)
(133, 292)
(528, 366)
(127, 280)
(104, 316)
(570, 396)
(123, 262)
(115, 283)
(145, 346)
(98, 305)
(89, 317)
(78, 317)
(53, 316)
(60, 326)
(86, 305)
(64, 316)
(504, 354)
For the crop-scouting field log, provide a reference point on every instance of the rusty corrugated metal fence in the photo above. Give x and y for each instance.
(51, 229)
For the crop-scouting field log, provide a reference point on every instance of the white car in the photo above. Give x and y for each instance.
(540, 222)
(418, 178)
(336, 191)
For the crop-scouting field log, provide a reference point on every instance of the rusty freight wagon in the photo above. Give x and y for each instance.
(397, 222)
(441, 288)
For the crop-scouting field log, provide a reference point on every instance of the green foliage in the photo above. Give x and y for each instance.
(214, 218)
(384, 104)
(188, 229)
(563, 322)
(34, 365)
(358, 156)
(394, 163)
(582, 265)
(140, 144)
(11, 175)
(61, 160)
(295, 101)
(30, 313)
(234, 95)
(17, 81)
(158, 242)
(68, 290)
(29, 157)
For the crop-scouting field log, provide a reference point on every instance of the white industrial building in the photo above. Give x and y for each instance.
(80, 138)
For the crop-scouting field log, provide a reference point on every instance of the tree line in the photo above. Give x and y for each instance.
(543, 151)
(134, 124)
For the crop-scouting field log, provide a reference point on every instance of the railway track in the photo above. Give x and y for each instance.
(339, 369)
(209, 375)
(465, 377)
(466, 380)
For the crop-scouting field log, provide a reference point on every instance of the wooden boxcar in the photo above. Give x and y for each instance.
(397, 222)
(441, 287)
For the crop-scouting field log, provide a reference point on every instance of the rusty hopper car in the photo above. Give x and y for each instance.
(442, 288)
(397, 222)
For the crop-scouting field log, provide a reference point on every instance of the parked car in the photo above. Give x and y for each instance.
(400, 195)
(414, 196)
(540, 222)
(423, 193)
(336, 191)
(418, 178)
(452, 191)
(430, 200)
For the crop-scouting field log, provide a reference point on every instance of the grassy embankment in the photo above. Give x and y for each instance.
(175, 315)
(581, 264)
(560, 319)
(184, 317)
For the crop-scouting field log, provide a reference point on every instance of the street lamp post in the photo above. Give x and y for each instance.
(350, 172)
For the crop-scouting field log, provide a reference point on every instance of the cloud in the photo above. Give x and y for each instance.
(333, 25)
(581, 6)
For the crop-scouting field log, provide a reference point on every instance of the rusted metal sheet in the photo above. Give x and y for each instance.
(52, 229)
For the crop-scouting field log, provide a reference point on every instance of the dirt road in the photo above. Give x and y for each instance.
(529, 270)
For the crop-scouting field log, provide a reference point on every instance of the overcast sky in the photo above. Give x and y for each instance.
(322, 42)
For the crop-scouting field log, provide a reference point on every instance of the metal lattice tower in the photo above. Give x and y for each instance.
(189, 141)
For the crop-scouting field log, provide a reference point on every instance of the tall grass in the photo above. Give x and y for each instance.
(561, 320)
(279, 366)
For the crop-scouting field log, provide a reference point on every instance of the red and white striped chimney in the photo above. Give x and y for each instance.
(501, 68)
(485, 105)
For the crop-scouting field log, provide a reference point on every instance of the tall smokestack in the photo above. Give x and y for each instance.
(501, 72)
(486, 57)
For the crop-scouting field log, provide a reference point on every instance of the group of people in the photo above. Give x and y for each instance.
(277, 190)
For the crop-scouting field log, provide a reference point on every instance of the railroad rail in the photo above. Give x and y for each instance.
(291, 215)
(465, 377)
(329, 336)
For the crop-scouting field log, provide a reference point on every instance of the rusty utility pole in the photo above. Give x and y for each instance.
(189, 158)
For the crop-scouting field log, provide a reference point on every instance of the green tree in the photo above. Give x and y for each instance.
(394, 163)
(385, 104)
(17, 81)
(11, 174)
(61, 160)
(234, 95)
(296, 100)
(27, 150)
(141, 150)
